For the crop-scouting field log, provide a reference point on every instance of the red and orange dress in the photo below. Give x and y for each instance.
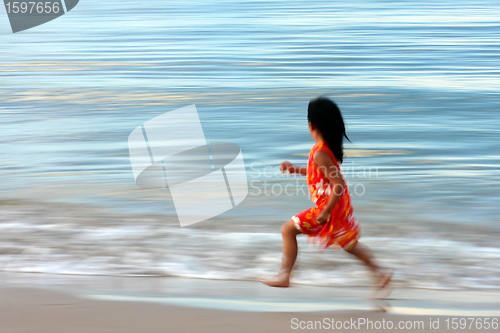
(341, 228)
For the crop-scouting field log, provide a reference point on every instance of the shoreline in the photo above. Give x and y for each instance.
(106, 304)
(224, 294)
(39, 277)
(59, 239)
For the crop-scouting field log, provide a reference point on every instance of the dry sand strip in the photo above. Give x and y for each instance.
(29, 310)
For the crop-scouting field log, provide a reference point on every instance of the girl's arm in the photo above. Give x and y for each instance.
(325, 163)
(284, 166)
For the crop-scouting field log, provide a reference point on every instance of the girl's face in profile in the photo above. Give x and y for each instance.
(313, 131)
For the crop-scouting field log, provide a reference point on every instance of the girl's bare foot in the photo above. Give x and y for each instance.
(384, 279)
(382, 287)
(281, 280)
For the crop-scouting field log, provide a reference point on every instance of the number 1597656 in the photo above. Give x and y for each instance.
(32, 7)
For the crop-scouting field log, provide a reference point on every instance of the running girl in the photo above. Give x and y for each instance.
(331, 222)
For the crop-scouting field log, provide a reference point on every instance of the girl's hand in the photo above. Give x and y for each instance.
(286, 166)
(322, 217)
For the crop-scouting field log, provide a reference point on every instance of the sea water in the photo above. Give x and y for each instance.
(417, 84)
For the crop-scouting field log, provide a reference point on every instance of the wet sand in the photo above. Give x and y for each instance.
(184, 305)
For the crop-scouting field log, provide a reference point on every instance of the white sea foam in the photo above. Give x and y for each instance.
(130, 247)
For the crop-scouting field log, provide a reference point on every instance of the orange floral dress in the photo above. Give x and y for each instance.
(341, 228)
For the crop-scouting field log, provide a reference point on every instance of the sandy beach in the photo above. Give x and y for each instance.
(106, 304)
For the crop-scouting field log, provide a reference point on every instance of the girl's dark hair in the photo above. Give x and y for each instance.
(325, 115)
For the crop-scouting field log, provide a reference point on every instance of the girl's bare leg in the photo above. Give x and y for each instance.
(289, 234)
(363, 253)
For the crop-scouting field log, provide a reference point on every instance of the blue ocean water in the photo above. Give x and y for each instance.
(417, 83)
